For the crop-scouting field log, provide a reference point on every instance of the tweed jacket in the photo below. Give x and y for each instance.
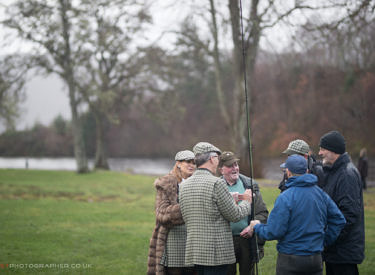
(168, 214)
(207, 208)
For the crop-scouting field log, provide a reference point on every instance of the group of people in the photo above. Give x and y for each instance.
(209, 217)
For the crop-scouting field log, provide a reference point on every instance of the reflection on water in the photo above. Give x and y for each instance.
(137, 166)
(271, 169)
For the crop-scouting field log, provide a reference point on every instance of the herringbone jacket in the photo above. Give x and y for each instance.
(207, 208)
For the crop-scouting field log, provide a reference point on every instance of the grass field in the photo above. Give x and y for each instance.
(56, 222)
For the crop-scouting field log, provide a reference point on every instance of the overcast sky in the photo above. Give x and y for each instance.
(46, 98)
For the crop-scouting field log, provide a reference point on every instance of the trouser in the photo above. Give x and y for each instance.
(212, 270)
(181, 271)
(364, 184)
(298, 264)
(243, 257)
(341, 269)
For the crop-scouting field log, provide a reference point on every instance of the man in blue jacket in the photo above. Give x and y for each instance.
(303, 220)
(343, 184)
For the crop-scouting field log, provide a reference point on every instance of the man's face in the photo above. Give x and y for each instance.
(231, 173)
(215, 161)
(327, 156)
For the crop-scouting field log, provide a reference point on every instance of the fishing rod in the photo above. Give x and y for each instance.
(249, 136)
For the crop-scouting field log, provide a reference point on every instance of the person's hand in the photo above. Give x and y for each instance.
(248, 195)
(252, 224)
(245, 233)
(235, 196)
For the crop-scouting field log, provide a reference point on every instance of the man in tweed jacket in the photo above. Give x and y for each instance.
(207, 207)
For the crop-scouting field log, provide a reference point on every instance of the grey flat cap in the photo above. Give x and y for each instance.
(205, 147)
(297, 146)
(184, 155)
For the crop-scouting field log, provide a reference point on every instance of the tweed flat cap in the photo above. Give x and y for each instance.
(205, 147)
(184, 155)
(297, 146)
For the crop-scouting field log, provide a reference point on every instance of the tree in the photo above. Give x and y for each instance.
(347, 40)
(258, 17)
(89, 45)
(12, 80)
(51, 27)
(107, 75)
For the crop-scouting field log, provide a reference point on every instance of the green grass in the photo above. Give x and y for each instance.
(101, 221)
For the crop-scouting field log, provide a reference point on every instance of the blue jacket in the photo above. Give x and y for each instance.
(304, 218)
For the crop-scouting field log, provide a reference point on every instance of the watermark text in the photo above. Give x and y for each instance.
(46, 266)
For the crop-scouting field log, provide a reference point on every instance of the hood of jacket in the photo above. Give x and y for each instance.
(305, 180)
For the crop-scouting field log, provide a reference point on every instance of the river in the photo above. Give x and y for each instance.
(134, 165)
(158, 166)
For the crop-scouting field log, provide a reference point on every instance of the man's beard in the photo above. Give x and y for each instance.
(326, 163)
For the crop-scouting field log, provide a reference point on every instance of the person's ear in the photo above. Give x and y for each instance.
(288, 173)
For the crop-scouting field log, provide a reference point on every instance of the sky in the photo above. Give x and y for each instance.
(47, 97)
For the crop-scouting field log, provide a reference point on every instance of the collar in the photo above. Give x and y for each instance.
(204, 169)
(341, 160)
(237, 181)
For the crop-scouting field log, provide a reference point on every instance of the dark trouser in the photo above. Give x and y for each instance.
(296, 264)
(212, 270)
(181, 271)
(341, 269)
(243, 258)
(364, 184)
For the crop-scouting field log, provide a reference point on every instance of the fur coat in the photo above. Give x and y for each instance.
(168, 214)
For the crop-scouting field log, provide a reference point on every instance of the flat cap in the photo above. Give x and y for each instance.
(227, 159)
(297, 146)
(205, 147)
(184, 155)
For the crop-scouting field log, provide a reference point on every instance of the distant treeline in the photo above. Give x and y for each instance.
(295, 95)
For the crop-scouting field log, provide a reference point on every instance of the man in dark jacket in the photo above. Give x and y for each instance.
(245, 248)
(343, 184)
(303, 220)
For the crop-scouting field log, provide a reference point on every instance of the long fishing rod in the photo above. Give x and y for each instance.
(249, 135)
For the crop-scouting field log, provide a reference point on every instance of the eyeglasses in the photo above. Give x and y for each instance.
(190, 161)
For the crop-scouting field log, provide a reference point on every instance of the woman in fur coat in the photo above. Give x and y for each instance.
(167, 245)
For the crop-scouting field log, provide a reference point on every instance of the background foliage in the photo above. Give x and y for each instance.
(127, 93)
(307, 100)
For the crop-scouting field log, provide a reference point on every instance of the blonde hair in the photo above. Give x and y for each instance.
(177, 172)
